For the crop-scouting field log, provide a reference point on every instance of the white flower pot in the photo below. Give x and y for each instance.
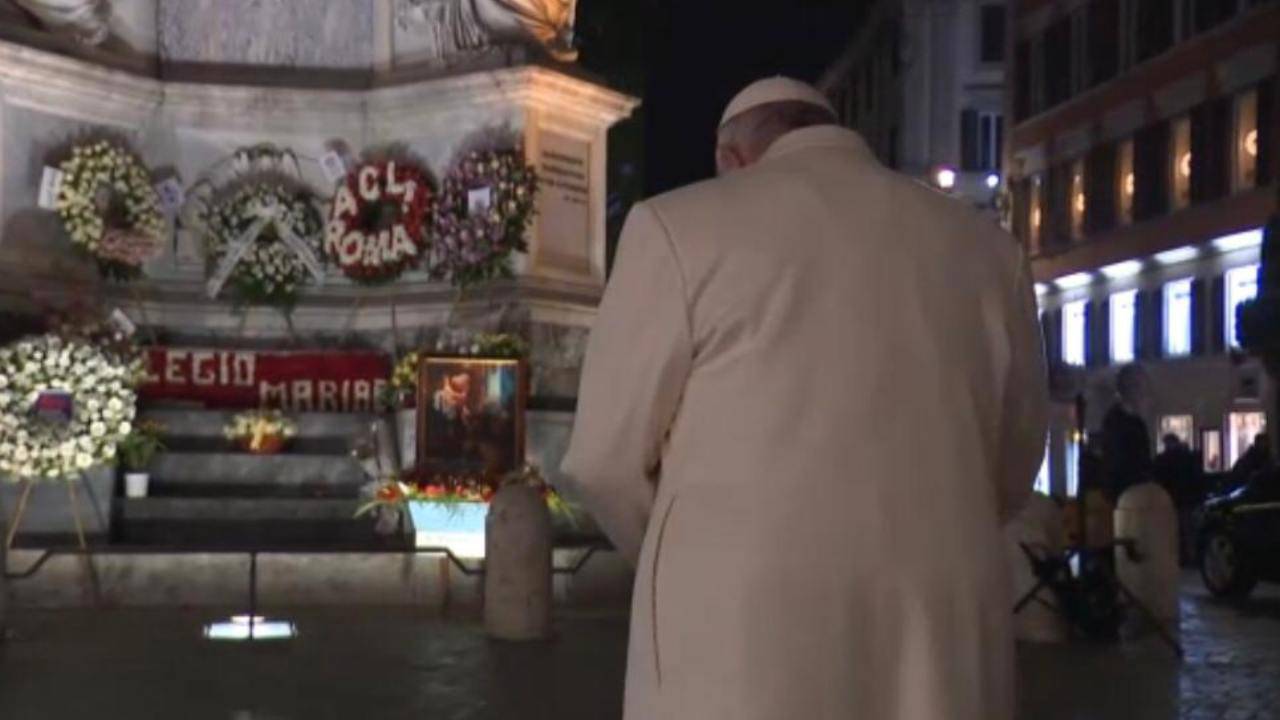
(135, 484)
(407, 435)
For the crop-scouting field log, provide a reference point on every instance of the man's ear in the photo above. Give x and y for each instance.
(728, 158)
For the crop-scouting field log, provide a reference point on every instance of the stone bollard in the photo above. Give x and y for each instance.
(517, 568)
(1145, 514)
(1040, 526)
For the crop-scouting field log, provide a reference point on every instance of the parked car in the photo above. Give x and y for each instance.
(1238, 537)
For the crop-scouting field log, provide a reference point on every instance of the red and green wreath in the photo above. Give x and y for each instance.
(485, 204)
(380, 221)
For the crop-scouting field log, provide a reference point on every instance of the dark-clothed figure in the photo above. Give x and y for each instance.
(1126, 441)
(1177, 469)
(1254, 460)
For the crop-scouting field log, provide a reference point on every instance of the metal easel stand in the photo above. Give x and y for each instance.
(1051, 572)
(87, 557)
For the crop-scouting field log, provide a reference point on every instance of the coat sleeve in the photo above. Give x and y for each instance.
(633, 378)
(1026, 400)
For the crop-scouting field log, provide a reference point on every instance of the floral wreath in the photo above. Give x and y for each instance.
(485, 204)
(270, 272)
(92, 386)
(110, 209)
(379, 222)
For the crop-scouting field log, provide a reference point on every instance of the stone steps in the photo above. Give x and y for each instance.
(206, 492)
(281, 469)
(203, 444)
(189, 422)
(250, 522)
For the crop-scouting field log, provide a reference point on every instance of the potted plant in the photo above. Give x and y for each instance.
(261, 432)
(135, 452)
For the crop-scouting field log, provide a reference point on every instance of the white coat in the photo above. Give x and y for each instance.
(814, 389)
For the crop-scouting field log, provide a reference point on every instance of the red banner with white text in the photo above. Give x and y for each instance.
(311, 380)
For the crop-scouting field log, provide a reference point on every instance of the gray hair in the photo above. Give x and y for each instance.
(753, 131)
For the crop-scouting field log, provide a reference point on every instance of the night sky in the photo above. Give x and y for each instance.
(699, 54)
(686, 59)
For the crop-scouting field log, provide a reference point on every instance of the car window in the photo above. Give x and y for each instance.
(1264, 487)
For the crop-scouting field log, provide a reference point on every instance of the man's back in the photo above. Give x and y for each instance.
(834, 377)
(844, 319)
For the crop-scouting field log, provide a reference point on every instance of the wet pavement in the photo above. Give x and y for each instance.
(370, 663)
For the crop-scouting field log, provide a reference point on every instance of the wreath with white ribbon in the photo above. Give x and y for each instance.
(263, 241)
(485, 204)
(380, 220)
(64, 404)
(110, 209)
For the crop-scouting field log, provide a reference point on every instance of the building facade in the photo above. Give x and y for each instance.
(1142, 167)
(923, 82)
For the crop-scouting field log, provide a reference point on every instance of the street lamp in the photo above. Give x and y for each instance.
(946, 178)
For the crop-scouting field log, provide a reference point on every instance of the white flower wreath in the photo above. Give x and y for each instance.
(102, 401)
(269, 272)
(109, 208)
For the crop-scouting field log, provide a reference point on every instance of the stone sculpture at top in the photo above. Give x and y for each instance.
(85, 20)
(457, 26)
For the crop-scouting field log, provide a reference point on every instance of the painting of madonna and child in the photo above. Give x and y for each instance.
(471, 417)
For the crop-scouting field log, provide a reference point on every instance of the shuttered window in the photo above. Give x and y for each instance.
(1151, 171)
(992, 41)
(1104, 40)
(1210, 143)
(1099, 189)
(1153, 27)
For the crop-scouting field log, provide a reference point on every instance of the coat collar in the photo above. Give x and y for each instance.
(815, 137)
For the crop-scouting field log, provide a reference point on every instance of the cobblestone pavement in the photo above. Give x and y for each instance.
(370, 663)
(1231, 670)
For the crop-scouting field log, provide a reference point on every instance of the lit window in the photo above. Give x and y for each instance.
(1241, 286)
(1246, 141)
(1177, 318)
(1042, 477)
(1034, 218)
(1073, 332)
(1180, 426)
(1211, 450)
(1124, 166)
(1243, 431)
(1077, 199)
(1181, 163)
(990, 138)
(1073, 464)
(1124, 326)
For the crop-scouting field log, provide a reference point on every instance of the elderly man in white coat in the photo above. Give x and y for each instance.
(814, 390)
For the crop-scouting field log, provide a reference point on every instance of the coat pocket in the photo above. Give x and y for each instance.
(653, 587)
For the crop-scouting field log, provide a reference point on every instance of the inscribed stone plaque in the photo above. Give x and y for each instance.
(276, 33)
(564, 205)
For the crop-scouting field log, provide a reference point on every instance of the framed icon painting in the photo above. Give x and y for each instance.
(471, 416)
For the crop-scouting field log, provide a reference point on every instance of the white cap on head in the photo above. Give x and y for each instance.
(772, 90)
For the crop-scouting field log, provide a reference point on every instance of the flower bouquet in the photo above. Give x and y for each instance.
(261, 432)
